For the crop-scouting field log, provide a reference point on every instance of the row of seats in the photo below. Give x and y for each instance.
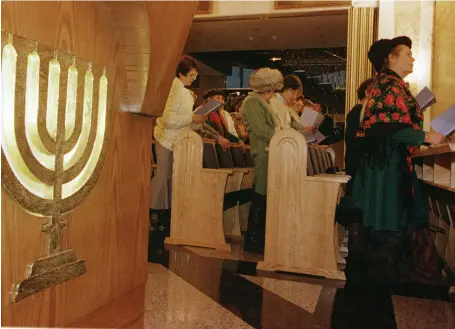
(301, 233)
(239, 187)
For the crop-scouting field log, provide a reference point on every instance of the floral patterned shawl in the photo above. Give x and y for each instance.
(391, 107)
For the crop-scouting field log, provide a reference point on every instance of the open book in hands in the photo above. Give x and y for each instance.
(207, 107)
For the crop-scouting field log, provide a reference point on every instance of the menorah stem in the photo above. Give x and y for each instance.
(54, 230)
(55, 226)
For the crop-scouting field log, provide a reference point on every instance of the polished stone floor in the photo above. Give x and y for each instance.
(202, 289)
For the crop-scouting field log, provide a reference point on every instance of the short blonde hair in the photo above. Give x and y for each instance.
(266, 79)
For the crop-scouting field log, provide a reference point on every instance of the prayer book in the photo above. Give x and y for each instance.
(209, 106)
(425, 98)
(445, 122)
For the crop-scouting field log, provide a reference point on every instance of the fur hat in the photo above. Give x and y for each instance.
(266, 79)
(380, 50)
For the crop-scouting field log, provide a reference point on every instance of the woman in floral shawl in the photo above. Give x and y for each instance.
(386, 188)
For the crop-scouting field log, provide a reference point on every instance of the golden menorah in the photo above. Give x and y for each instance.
(55, 124)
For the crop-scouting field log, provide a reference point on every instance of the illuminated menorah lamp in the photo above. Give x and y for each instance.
(53, 142)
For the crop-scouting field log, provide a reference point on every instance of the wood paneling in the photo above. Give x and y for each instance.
(109, 230)
(443, 57)
(130, 305)
(310, 4)
(132, 21)
(170, 32)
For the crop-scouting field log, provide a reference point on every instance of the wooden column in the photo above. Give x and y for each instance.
(361, 34)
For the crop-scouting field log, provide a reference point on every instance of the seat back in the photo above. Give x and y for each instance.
(209, 156)
(317, 169)
(224, 157)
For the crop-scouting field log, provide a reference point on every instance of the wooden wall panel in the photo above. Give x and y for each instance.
(132, 21)
(443, 57)
(109, 229)
(287, 4)
(170, 23)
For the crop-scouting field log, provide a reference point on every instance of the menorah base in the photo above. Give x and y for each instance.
(47, 272)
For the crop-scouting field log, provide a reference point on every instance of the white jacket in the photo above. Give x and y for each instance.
(177, 115)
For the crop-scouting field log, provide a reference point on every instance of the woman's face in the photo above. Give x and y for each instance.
(189, 78)
(298, 106)
(401, 61)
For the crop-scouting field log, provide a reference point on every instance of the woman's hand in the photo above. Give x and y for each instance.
(223, 142)
(434, 138)
(199, 118)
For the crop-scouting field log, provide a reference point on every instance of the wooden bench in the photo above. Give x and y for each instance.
(301, 233)
(435, 167)
(199, 188)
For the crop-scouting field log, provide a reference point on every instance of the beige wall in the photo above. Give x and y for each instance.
(444, 56)
(430, 25)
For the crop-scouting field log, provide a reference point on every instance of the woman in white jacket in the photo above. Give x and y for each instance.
(177, 117)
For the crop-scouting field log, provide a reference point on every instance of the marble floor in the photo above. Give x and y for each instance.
(195, 288)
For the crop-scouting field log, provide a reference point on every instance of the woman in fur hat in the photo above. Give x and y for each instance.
(386, 188)
(261, 127)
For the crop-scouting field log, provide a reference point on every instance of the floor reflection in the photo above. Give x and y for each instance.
(171, 302)
(205, 289)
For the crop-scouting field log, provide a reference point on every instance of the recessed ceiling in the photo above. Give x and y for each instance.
(327, 31)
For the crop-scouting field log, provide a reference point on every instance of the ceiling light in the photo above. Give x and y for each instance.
(250, 38)
(275, 59)
(274, 37)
